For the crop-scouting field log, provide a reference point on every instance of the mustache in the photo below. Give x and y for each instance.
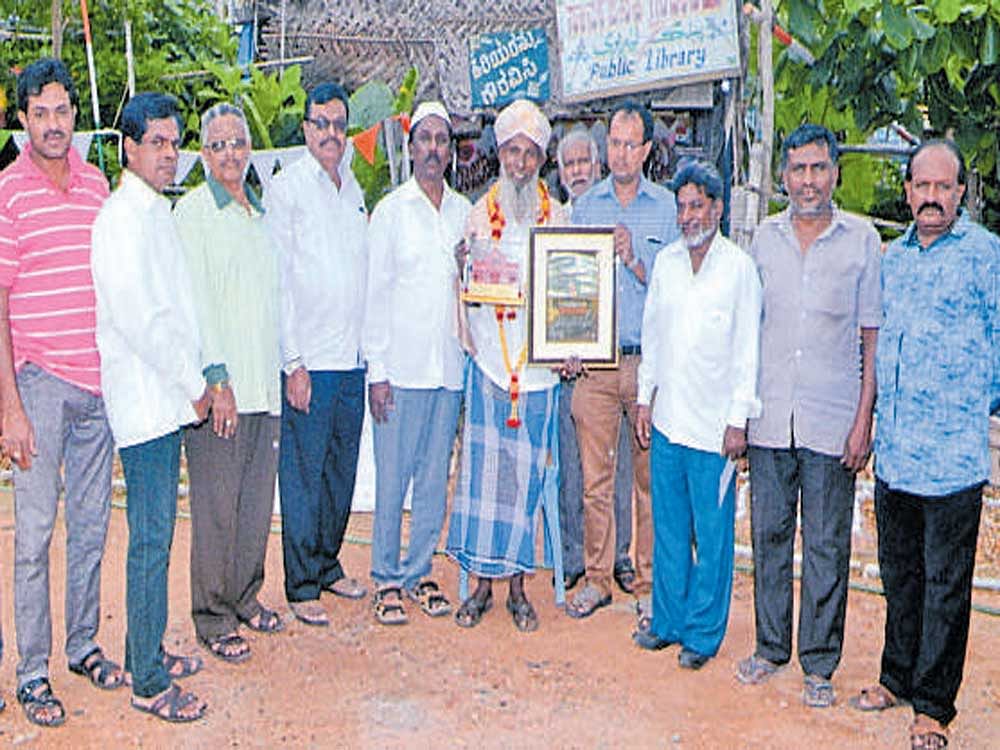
(328, 140)
(432, 157)
(51, 133)
(930, 204)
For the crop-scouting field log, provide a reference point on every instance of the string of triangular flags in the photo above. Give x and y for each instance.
(367, 140)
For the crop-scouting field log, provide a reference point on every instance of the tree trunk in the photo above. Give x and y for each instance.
(57, 29)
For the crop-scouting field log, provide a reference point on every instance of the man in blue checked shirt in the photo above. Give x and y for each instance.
(937, 369)
(645, 219)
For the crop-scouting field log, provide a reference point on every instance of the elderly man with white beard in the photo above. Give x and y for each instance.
(510, 410)
(697, 388)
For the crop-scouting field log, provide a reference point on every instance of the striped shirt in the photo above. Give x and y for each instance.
(45, 265)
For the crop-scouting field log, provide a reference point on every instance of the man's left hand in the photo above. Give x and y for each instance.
(224, 416)
(570, 368)
(734, 442)
(623, 244)
(858, 446)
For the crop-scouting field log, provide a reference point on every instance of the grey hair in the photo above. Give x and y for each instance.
(218, 110)
(578, 133)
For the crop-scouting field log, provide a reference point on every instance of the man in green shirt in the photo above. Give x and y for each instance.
(233, 457)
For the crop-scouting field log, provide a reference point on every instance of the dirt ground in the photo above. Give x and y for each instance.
(572, 684)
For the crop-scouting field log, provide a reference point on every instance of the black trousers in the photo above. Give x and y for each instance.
(927, 552)
(317, 464)
(779, 479)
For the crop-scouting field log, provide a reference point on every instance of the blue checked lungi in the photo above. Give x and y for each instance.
(501, 479)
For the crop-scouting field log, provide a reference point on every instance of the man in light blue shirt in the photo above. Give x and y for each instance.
(937, 370)
(645, 218)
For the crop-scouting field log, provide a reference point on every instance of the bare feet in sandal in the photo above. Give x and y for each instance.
(173, 705)
(472, 610)
(39, 703)
(231, 647)
(101, 671)
(432, 602)
(875, 698)
(387, 605)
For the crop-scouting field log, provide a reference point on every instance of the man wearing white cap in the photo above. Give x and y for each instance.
(510, 410)
(415, 364)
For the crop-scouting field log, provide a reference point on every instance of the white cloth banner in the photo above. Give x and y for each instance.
(266, 162)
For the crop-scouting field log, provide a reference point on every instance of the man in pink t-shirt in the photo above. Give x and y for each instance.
(51, 411)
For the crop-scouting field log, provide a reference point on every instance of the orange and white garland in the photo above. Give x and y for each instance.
(497, 224)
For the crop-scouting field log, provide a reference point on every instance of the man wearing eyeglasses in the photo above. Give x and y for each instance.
(415, 365)
(317, 217)
(233, 457)
(645, 219)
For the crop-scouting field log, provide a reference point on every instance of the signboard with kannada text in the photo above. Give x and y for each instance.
(609, 47)
(508, 65)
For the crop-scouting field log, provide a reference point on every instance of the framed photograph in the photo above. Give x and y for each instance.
(571, 296)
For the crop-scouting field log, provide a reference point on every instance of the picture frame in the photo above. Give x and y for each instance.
(572, 278)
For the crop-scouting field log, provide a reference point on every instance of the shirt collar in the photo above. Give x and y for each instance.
(76, 165)
(606, 187)
(223, 198)
(838, 220)
(143, 192)
(958, 230)
(343, 169)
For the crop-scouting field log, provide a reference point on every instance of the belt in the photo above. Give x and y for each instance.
(633, 350)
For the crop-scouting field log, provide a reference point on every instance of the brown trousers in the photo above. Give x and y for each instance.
(598, 402)
(232, 499)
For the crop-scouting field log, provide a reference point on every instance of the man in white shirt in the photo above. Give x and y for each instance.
(317, 217)
(697, 388)
(147, 334)
(415, 365)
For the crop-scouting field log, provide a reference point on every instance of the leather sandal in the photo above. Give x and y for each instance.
(170, 704)
(524, 615)
(875, 698)
(36, 698)
(102, 672)
(587, 601)
(472, 610)
(432, 602)
(387, 604)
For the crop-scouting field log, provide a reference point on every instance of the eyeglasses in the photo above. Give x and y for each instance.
(159, 143)
(236, 144)
(321, 123)
(627, 146)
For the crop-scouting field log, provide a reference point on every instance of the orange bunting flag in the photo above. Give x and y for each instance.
(365, 142)
(404, 120)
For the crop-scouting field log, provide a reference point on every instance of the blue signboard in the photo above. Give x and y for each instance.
(509, 65)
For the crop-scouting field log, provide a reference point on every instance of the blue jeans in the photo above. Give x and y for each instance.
(317, 464)
(414, 443)
(71, 433)
(151, 472)
(691, 592)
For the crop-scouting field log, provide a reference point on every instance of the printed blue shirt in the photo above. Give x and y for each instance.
(938, 361)
(651, 218)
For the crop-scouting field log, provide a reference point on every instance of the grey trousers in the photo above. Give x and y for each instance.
(71, 431)
(413, 444)
(232, 499)
(778, 478)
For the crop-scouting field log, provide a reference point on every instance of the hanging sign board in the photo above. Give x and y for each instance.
(609, 47)
(509, 65)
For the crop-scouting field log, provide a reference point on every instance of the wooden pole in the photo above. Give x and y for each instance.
(57, 29)
(129, 58)
(766, 71)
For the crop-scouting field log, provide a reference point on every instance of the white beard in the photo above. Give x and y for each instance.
(699, 239)
(521, 204)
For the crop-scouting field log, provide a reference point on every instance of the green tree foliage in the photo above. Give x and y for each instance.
(880, 61)
(168, 37)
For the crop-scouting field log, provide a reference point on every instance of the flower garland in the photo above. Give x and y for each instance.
(497, 224)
